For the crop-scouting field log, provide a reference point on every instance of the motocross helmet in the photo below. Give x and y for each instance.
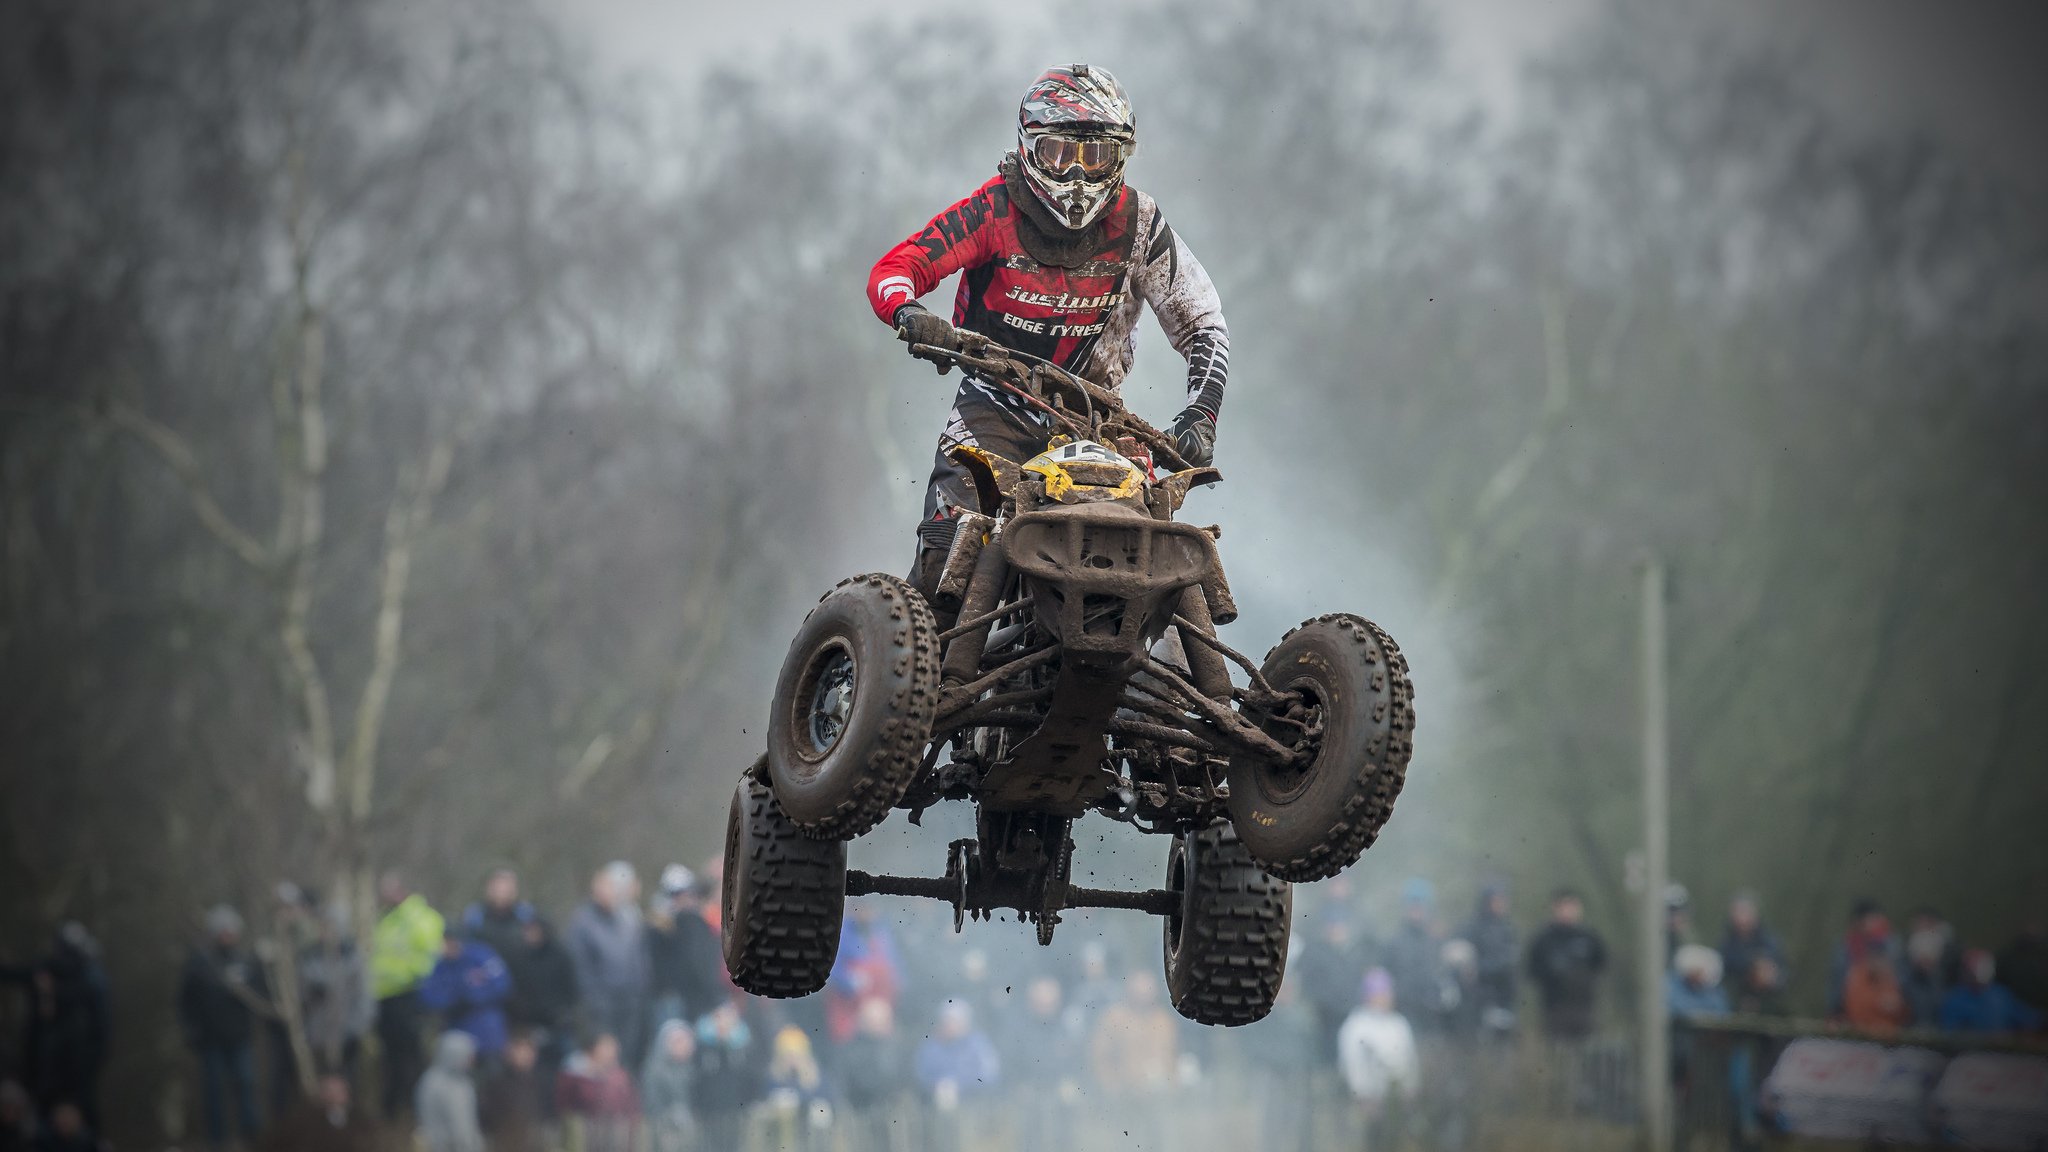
(1074, 132)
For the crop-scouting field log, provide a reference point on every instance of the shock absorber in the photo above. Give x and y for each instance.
(963, 655)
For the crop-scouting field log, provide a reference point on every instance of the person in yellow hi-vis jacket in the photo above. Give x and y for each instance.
(403, 949)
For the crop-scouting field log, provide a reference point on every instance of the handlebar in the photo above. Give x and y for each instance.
(1102, 416)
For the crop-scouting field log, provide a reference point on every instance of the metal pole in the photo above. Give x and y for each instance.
(1654, 1015)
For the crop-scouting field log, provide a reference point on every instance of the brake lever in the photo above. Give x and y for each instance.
(941, 359)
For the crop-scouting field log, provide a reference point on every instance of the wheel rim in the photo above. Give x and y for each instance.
(1300, 726)
(1177, 882)
(734, 872)
(824, 700)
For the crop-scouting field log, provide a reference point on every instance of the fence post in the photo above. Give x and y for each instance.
(1654, 1018)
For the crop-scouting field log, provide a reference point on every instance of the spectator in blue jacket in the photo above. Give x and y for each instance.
(1980, 1004)
(957, 1060)
(1692, 987)
(470, 986)
(1692, 993)
(868, 968)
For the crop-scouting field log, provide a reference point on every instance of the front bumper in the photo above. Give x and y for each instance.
(1102, 573)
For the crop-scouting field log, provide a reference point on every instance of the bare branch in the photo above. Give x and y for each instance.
(177, 454)
(587, 765)
(1511, 473)
(301, 478)
(402, 525)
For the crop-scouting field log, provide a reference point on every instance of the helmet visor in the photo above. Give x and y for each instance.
(1095, 156)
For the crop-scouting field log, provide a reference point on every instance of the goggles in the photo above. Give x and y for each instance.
(1095, 156)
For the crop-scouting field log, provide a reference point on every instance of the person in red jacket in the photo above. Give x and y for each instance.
(595, 1089)
(1057, 254)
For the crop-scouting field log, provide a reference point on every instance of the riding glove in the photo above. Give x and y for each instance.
(1194, 436)
(914, 325)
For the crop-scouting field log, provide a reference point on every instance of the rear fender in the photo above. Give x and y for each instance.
(992, 475)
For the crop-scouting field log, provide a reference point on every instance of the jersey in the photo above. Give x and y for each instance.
(1082, 316)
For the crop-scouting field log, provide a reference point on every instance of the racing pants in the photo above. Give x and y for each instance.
(986, 417)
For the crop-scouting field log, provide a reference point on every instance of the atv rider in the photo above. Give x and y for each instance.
(1058, 253)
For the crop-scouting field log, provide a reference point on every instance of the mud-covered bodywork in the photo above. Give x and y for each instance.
(1102, 575)
(1099, 573)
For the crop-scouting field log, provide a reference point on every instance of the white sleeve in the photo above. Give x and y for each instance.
(1182, 296)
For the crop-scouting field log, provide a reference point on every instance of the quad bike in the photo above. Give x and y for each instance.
(1068, 658)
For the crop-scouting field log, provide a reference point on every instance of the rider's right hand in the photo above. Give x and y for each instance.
(914, 325)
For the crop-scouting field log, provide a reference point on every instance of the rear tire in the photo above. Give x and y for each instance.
(1307, 822)
(1226, 948)
(784, 899)
(854, 706)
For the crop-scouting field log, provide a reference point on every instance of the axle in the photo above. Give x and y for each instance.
(1156, 901)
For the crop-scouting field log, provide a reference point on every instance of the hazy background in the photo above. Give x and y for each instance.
(421, 427)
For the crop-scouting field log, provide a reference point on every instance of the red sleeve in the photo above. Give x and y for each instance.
(960, 237)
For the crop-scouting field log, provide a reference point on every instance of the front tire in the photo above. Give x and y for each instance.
(1355, 715)
(1226, 946)
(854, 706)
(784, 898)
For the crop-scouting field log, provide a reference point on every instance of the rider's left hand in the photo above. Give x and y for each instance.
(1194, 436)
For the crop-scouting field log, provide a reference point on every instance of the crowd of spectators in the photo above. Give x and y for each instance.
(1881, 979)
(493, 1031)
(1409, 1016)
(1880, 982)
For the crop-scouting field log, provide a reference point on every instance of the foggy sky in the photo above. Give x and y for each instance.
(1971, 75)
